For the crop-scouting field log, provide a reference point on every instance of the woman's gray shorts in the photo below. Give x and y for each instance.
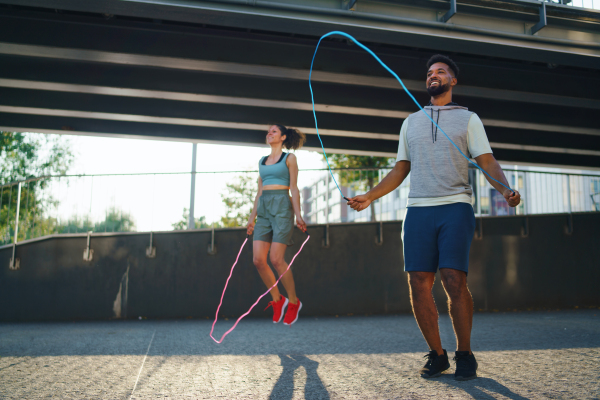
(275, 217)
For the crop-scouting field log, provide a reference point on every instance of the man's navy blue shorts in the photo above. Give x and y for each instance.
(438, 237)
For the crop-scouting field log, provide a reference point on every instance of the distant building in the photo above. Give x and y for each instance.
(323, 204)
(543, 190)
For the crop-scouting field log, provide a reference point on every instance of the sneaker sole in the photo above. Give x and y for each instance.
(468, 378)
(425, 376)
(282, 311)
(297, 315)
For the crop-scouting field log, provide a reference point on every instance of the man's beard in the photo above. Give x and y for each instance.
(438, 89)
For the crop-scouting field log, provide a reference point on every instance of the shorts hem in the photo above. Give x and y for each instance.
(465, 270)
(277, 241)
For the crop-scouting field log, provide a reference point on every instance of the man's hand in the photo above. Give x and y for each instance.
(359, 203)
(250, 228)
(513, 199)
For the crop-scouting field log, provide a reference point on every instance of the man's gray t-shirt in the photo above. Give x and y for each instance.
(439, 173)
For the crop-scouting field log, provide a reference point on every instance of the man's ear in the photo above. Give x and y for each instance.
(453, 82)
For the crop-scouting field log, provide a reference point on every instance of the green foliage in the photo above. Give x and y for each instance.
(24, 156)
(364, 179)
(115, 221)
(239, 200)
(28, 155)
(199, 223)
(76, 225)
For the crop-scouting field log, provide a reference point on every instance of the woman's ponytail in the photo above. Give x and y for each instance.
(294, 139)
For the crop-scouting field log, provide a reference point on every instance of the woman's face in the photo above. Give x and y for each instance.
(274, 135)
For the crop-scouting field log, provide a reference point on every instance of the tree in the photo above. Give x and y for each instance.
(25, 156)
(365, 179)
(199, 223)
(239, 200)
(28, 155)
(115, 221)
(76, 225)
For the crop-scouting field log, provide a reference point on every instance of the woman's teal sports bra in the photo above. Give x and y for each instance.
(276, 174)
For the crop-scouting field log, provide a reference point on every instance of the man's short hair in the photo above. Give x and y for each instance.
(439, 58)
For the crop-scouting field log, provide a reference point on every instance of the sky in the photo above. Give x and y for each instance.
(157, 195)
(157, 201)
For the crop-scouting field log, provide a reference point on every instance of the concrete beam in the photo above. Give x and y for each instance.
(382, 23)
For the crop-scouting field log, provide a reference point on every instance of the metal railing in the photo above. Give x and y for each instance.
(542, 193)
(591, 4)
(157, 201)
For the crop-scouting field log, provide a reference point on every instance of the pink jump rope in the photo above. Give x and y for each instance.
(256, 302)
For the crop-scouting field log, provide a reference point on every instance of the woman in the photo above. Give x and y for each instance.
(274, 213)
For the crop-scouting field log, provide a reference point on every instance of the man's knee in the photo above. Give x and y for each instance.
(420, 281)
(454, 281)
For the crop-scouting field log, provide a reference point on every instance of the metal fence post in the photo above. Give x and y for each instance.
(569, 227)
(191, 221)
(15, 263)
(327, 199)
(151, 250)
(569, 193)
(88, 252)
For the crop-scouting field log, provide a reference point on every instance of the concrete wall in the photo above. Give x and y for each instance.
(548, 268)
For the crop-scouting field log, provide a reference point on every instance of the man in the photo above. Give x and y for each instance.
(440, 223)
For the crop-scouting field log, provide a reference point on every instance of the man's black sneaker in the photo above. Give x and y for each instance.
(466, 366)
(435, 365)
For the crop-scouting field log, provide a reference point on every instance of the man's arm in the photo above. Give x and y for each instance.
(387, 184)
(489, 164)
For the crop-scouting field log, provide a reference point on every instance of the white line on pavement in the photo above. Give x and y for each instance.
(142, 366)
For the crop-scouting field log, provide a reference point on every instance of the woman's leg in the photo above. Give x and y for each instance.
(278, 261)
(260, 250)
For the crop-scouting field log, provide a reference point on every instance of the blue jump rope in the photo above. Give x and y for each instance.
(404, 87)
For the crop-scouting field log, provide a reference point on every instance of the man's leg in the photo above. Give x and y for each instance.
(460, 304)
(424, 308)
(457, 225)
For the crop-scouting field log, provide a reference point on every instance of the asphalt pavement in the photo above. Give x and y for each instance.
(522, 355)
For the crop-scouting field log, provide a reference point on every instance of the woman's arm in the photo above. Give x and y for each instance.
(292, 164)
(250, 226)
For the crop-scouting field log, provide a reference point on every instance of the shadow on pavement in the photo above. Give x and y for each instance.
(391, 334)
(284, 387)
(481, 388)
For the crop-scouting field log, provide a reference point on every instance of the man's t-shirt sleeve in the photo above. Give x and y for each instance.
(403, 152)
(477, 140)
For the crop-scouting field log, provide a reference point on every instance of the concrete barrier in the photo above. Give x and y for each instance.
(547, 261)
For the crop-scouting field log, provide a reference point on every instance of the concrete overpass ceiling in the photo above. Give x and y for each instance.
(220, 71)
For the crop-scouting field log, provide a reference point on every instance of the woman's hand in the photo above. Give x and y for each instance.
(359, 203)
(301, 224)
(250, 228)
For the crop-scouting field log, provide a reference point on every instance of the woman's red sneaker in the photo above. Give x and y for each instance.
(292, 314)
(278, 308)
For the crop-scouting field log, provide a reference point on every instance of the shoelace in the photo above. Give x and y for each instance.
(461, 361)
(271, 304)
(430, 357)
